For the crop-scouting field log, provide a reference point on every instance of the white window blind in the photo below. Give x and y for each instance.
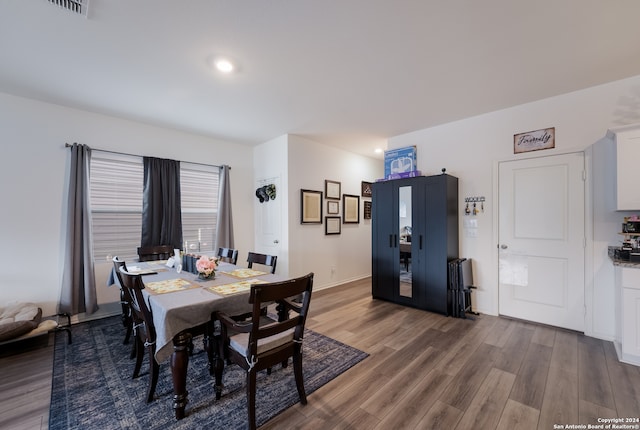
(116, 205)
(199, 186)
(116, 182)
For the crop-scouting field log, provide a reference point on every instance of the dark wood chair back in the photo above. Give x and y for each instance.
(151, 253)
(267, 260)
(277, 340)
(228, 254)
(144, 329)
(125, 299)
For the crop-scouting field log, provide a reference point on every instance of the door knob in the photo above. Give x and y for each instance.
(503, 246)
(276, 241)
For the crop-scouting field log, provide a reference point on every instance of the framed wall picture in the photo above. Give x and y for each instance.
(332, 189)
(332, 225)
(350, 209)
(310, 207)
(366, 189)
(333, 207)
(367, 210)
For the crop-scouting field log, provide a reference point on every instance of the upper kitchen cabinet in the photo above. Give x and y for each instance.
(627, 145)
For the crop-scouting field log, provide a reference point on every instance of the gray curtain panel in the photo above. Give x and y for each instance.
(161, 208)
(224, 228)
(78, 279)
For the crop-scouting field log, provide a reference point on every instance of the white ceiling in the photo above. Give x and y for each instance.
(348, 73)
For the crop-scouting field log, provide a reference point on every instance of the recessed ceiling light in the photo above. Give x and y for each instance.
(378, 150)
(223, 65)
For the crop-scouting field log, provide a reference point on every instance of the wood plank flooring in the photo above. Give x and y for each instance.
(425, 371)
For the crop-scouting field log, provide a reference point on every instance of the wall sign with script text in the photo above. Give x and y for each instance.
(534, 140)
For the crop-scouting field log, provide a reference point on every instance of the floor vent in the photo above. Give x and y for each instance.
(75, 6)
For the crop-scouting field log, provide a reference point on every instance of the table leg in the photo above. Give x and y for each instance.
(179, 365)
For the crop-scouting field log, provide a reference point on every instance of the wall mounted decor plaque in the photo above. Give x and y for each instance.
(534, 140)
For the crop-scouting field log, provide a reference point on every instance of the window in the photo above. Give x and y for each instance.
(116, 205)
(199, 186)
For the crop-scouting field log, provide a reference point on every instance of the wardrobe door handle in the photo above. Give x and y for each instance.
(420, 242)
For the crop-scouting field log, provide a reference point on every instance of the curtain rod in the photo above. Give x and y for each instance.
(68, 145)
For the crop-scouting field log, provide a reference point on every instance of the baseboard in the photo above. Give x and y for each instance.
(341, 282)
(626, 358)
(105, 310)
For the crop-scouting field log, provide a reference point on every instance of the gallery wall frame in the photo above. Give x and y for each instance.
(332, 225)
(333, 207)
(310, 207)
(332, 189)
(365, 190)
(350, 209)
(367, 210)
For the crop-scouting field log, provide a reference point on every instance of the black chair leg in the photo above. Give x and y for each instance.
(251, 398)
(154, 370)
(297, 371)
(139, 357)
(132, 354)
(127, 336)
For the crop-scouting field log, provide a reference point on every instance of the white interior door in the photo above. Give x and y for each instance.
(541, 240)
(269, 217)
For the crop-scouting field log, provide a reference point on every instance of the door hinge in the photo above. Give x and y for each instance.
(584, 175)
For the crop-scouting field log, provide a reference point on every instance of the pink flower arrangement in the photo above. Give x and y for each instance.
(206, 266)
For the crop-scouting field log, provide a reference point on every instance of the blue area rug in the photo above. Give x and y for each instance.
(93, 389)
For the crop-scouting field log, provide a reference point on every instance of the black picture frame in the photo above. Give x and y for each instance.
(367, 210)
(333, 207)
(332, 189)
(310, 207)
(365, 189)
(350, 209)
(332, 225)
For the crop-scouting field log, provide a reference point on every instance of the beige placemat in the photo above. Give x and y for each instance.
(235, 287)
(245, 273)
(170, 286)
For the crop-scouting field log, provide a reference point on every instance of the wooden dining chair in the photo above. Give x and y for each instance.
(144, 331)
(255, 345)
(151, 253)
(228, 254)
(264, 259)
(125, 303)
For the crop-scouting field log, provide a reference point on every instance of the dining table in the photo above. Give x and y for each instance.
(183, 305)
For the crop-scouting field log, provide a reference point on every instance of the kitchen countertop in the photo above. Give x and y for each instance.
(619, 262)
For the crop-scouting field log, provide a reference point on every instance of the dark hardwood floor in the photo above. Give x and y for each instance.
(425, 371)
(25, 389)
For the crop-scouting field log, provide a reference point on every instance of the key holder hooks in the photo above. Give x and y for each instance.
(471, 205)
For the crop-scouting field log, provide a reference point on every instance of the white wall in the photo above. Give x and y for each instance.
(33, 172)
(334, 259)
(299, 163)
(470, 149)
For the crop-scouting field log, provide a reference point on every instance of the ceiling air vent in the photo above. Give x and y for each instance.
(75, 6)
